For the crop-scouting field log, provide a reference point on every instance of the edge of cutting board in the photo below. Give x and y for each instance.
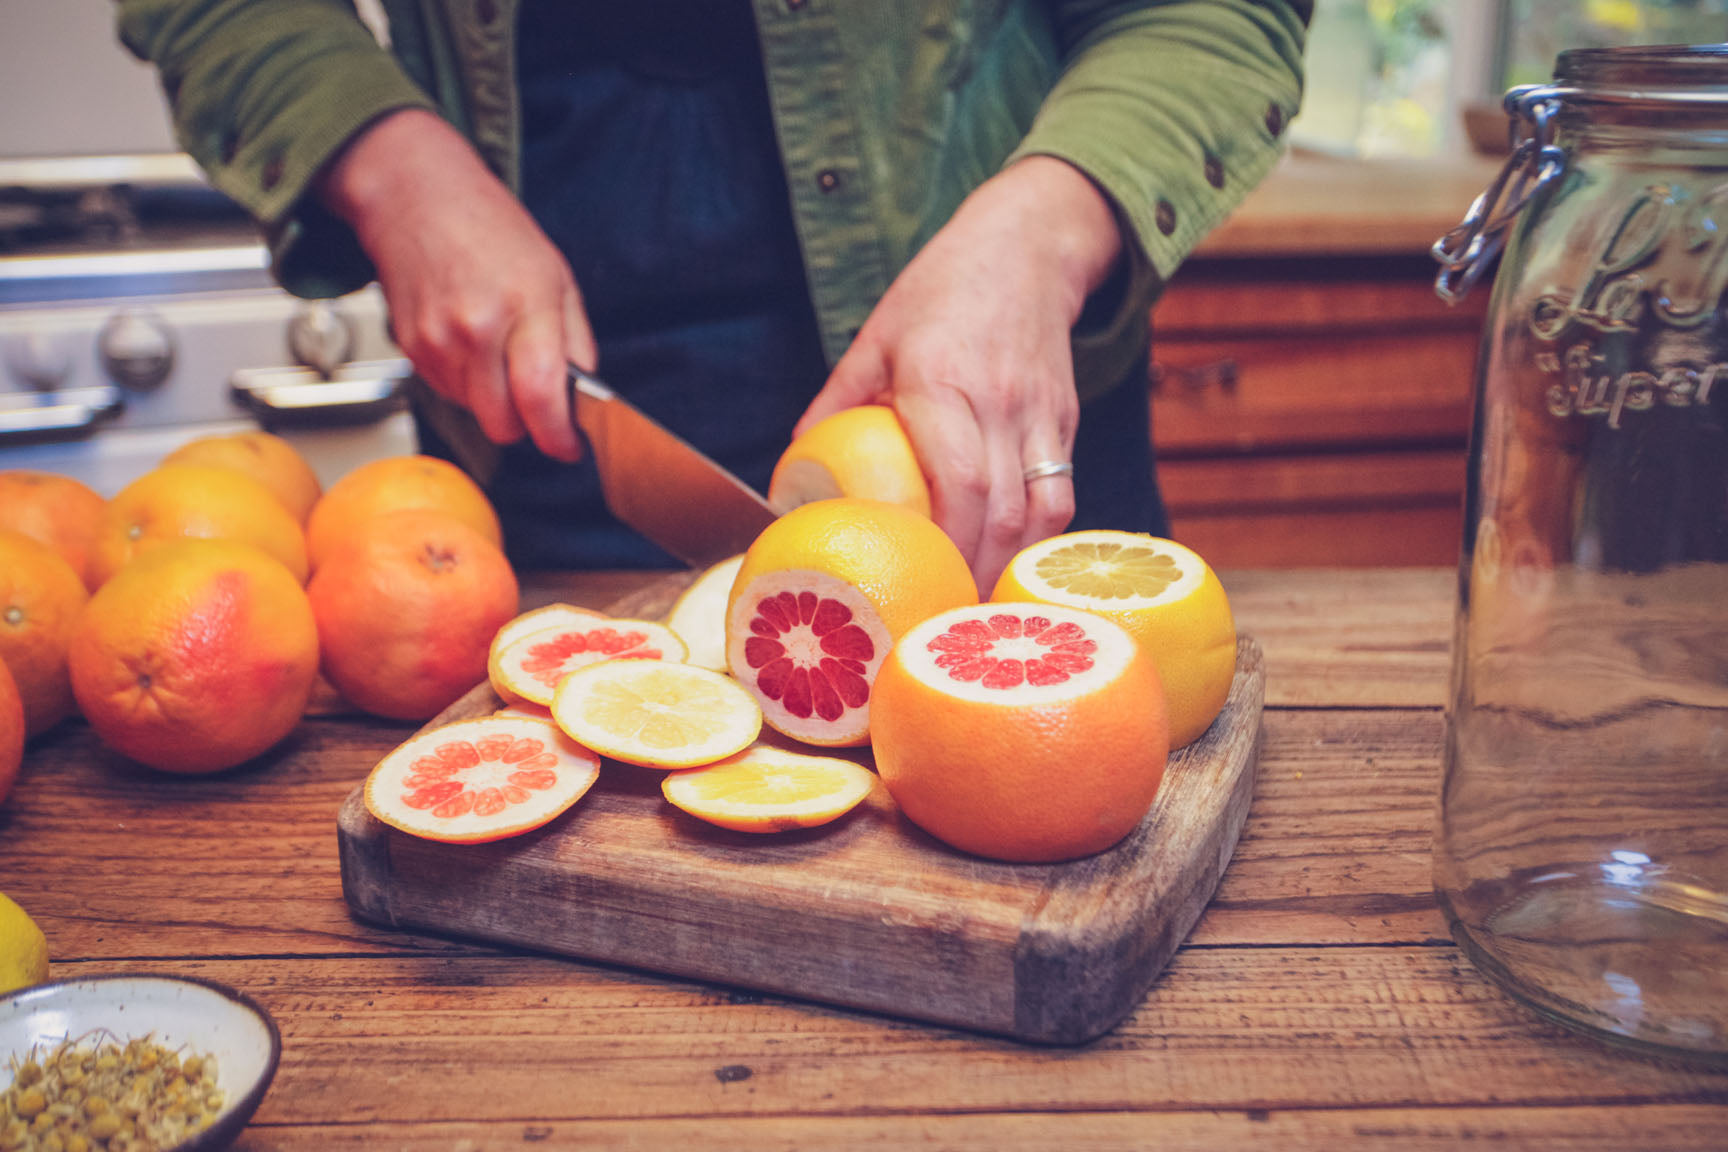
(868, 913)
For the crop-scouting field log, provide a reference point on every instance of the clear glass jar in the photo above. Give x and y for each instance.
(1581, 854)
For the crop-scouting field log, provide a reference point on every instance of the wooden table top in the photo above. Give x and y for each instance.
(1318, 1003)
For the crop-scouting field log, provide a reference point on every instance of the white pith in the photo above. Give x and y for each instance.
(1115, 649)
(577, 770)
(1192, 568)
(803, 646)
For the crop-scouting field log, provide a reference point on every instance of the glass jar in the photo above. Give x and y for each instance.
(1581, 854)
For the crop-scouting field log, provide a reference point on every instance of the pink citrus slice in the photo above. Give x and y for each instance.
(470, 781)
(535, 620)
(530, 667)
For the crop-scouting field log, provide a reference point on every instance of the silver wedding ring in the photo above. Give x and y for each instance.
(1048, 468)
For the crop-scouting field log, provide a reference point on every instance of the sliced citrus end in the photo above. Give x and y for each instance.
(807, 645)
(531, 666)
(768, 789)
(1164, 594)
(471, 781)
(699, 614)
(535, 620)
(862, 451)
(655, 714)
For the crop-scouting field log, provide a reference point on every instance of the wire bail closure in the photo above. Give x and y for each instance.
(1468, 250)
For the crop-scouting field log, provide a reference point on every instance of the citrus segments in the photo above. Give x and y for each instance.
(862, 451)
(1021, 732)
(820, 597)
(470, 781)
(534, 620)
(531, 666)
(655, 714)
(699, 614)
(768, 789)
(1165, 595)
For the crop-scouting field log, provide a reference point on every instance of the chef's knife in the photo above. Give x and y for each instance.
(661, 486)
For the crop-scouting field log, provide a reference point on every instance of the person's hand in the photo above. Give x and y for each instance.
(970, 345)
(480, 300)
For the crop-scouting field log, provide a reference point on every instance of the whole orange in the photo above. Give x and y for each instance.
(396, 484)
(1023, 732)
(821, 595)
(197, 656)
(406, 613)
(11, 733)
(179, 501)
(57, 510)
(268, 459)
(40, 599)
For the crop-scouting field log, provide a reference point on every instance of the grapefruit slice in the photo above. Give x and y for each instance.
(470, 781)
(699, 614)
(535, 620)
(655, 714)
(530, 667)
(862, 451)
(820, 597)
(769, 789)
(1165, 595)
(1022, 732)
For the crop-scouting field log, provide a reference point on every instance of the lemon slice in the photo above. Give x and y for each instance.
(655, 714)
(769, 789)
(699, 615)
(1164, 594)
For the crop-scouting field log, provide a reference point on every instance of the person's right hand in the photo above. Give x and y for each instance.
(480, 300)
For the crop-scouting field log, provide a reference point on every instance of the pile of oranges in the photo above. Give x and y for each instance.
(188, 617)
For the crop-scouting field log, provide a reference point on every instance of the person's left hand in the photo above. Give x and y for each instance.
(970, 345)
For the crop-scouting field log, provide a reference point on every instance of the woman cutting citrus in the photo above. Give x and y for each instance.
(748, 217)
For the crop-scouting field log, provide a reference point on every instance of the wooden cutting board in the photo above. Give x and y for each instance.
(867, 912)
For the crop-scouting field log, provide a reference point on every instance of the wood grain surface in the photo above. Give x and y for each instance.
(867, 912)
(1317, 1004)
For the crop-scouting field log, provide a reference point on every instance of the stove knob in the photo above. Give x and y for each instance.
(42, 362)
(321, 338)
(137, 349)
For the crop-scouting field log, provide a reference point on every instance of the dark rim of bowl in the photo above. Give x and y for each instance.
(237, 1114)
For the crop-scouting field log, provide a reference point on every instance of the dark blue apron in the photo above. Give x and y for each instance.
(649, 158)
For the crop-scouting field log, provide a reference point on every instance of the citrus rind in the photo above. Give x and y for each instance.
(472, 781)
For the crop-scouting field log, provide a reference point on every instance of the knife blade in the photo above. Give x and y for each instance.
(659, 484)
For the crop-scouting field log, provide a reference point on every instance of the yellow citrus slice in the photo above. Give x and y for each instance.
(530, 668)
(862, 451)
(656, 714)
(823, 593)
(1165, 595)
(470, 781)
(769, 789)
(699, 615)
(1024, 732)
(535, 620)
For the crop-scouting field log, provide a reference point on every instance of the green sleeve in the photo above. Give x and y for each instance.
(264, 93)
(1176, 110)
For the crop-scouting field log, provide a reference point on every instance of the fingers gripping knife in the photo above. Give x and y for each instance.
(661, 486)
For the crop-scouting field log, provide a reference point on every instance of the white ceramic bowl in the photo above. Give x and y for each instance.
(202, 1015)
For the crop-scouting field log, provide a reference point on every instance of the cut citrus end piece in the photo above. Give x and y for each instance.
(471, 781)
(768, 789)
(699, 614)
(862, 451)
(822, 594)
(531, 666)
(535, 620)
(1023, 732)
(1164, 594)
(655, 714)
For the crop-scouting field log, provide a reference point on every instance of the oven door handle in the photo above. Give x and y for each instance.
(61, 415)
(359, 393)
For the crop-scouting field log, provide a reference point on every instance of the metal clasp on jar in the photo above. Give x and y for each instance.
(1469, 250)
